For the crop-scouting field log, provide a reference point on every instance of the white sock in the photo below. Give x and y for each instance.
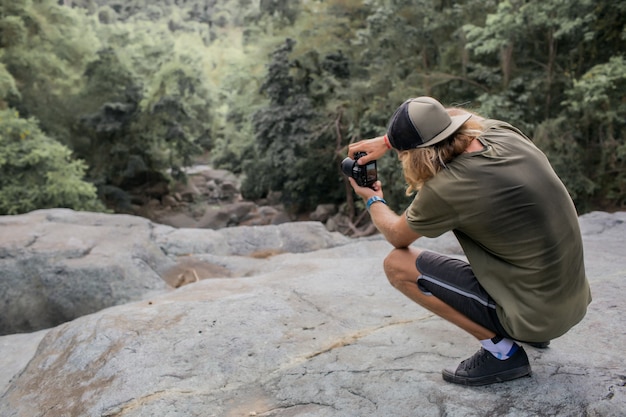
(502, 348)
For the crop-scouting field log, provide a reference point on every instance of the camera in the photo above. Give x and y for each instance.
(364, 175)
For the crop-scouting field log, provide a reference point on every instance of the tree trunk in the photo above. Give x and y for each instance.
(506, 62)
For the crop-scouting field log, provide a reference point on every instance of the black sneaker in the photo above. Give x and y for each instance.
(539, 345)
(483, 368)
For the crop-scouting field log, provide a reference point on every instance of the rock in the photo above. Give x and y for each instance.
(170, 200)
(58, 265)
(262, 215)
(215, 184)
(298, 237)
(323, 212)
(187, 192)
(218, 217)
(318, 333)
(189, 270)
(210, 199)
(281, 217)
(17, 350)
(179, 219)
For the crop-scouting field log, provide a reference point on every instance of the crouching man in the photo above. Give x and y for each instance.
(495, 190)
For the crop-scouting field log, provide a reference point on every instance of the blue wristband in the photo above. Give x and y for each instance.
(374, 199)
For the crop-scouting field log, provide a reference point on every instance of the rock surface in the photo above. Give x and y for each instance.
(308, 326)
(210, 199)
(58, 265)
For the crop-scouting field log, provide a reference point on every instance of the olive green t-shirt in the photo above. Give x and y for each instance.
(518, 228)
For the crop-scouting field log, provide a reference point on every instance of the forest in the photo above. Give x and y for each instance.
(103, 103)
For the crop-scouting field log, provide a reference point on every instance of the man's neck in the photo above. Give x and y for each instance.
(474, 146)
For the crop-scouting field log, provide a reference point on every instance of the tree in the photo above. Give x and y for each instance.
(556, 70)
(291, 153)
(140, 132)
(45, 48)
(138, 88)
(596, 115)
(37, 172)
(534, 45)
(8, 88)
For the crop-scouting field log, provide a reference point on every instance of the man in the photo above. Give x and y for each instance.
(487, 182)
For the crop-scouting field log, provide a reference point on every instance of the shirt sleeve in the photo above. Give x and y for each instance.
(429, 215)
(497, 127)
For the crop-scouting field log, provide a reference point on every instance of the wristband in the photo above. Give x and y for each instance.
(386, 139)
(374, 199)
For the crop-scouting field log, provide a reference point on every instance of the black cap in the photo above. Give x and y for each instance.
(421, 122)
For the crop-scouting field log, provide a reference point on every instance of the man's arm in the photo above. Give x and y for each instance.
(395, 228)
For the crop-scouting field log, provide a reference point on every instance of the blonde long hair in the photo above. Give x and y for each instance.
(421, 164)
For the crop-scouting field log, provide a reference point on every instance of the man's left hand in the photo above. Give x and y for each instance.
(366, 192)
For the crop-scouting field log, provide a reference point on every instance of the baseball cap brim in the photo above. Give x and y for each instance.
(455, 124)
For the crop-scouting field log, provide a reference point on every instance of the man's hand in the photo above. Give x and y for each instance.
(366, 192)
(374, 148)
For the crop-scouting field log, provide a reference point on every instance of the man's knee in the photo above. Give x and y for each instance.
(400, 267)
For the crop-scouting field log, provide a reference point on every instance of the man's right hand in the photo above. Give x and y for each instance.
(374, 148)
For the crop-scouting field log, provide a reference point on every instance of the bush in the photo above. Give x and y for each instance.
(38, 172)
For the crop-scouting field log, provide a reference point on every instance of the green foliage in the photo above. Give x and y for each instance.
(140, 88)
(145, 109)
(558, 139)
(596, 108)
(536, 60)
(599, 94)
(45, 49)
(291, 154)
(12, 31)
(178, 107)
(8, 88)
(37, 172)
(514, 60)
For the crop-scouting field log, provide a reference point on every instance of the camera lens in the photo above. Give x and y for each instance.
(347, 165)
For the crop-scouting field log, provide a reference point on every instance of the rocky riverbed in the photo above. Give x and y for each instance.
(115, 315)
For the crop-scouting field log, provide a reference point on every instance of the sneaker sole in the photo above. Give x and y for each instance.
(538, 345)
(508, 375)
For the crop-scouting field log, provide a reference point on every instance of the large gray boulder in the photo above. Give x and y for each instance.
(57, 265)
(318, 333)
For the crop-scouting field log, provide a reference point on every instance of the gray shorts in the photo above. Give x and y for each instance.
(453, 282)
